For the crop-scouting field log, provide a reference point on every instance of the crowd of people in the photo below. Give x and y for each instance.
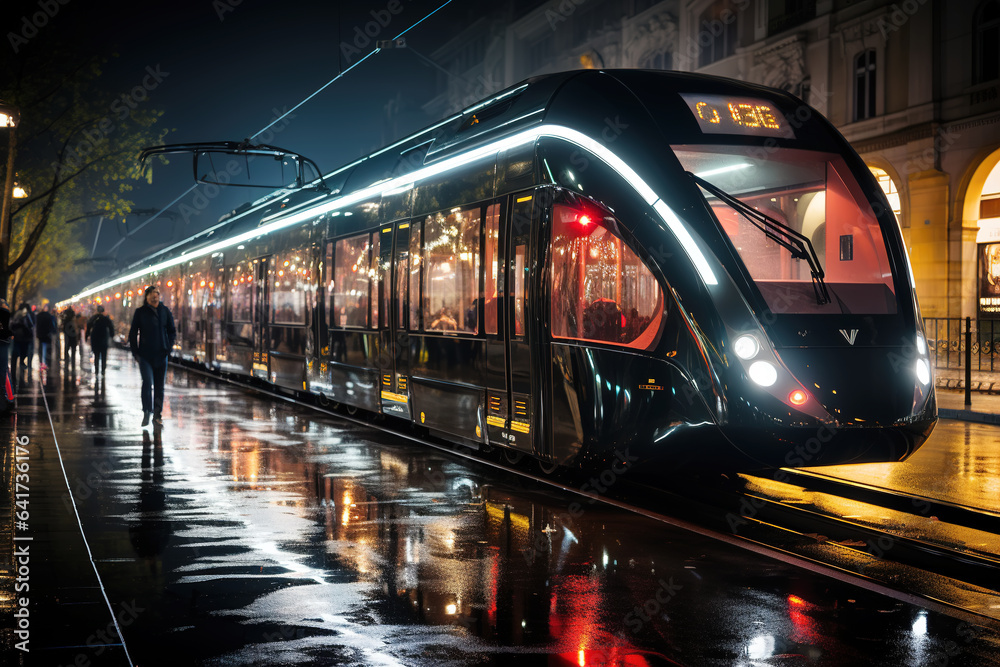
(151, 337)
(28, 325)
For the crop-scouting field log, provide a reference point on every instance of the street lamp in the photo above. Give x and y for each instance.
(9, 118)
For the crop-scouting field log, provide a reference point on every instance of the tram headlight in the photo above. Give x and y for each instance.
(763, 373)
(746, 347)
(921, 344)
(923, 372)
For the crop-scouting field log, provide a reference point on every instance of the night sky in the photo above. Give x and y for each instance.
(222, 70)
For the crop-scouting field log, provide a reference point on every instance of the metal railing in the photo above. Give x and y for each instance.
(946, 342)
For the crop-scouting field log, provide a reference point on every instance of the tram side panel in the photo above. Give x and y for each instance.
(353, 306)
(447, 350)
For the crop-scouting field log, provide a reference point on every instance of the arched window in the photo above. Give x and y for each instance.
(986, 28)
(890, 190)
(864, 85)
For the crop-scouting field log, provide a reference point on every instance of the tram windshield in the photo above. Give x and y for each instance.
(800, 223)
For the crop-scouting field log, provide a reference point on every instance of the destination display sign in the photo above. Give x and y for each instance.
(723, 114)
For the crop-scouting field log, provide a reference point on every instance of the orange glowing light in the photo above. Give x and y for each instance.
(118, 295)
(798, 397)
(170, 283)
(796, 600)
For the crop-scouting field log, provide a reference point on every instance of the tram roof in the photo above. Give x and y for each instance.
(500, 115)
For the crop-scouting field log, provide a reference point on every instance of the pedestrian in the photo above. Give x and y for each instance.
(81, 326)
(151, 337)
(6, 401)
(22, 327)
(45, 326)
(70, 336)
(99, 331)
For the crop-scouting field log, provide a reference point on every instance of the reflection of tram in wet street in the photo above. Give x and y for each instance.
(251, 531)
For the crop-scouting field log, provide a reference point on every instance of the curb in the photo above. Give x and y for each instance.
(969, 416)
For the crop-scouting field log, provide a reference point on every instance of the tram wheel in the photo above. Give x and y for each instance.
(513, 456)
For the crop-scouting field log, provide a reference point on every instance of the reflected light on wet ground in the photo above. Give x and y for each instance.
(255, 532)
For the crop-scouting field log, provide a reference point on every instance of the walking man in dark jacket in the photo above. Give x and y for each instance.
(45, 326)
(151, 338)
(99, 332)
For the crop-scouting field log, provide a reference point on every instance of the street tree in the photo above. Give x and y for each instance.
(76, 149)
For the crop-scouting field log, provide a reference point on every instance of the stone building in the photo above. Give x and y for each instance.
(912, 84)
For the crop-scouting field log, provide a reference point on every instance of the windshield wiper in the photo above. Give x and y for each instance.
(798, 245)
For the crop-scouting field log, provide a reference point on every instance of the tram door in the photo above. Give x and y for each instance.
(393, 315)
(261, 312)
(513, 355)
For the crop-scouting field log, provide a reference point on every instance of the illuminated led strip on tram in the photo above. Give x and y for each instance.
(394, 186)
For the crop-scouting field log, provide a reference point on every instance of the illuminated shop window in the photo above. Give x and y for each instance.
(601, 291)
(989, 201)
(890, 190)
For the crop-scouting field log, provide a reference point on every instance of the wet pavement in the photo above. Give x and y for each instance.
(249, 531)
(959, 463)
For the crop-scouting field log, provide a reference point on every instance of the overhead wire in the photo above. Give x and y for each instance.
(340, 75)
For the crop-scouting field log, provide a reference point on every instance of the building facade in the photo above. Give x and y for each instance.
(912, 84)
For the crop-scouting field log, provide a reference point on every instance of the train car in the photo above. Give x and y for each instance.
(653, 266)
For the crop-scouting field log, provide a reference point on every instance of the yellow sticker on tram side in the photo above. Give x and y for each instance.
(524, 199)
(520, 427)
(496, 421)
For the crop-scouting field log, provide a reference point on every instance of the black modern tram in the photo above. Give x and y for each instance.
(689, 269)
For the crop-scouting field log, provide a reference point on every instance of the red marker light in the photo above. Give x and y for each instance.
(585, 220)
(798, 397)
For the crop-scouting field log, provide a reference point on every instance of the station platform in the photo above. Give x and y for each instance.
(249, 531)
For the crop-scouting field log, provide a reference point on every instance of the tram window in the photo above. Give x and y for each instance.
(241, 293)
(290, 283)
(351, 279)
(402, 261)
(376, 279)
(328, 283)
(601, 291)
(492, 259)
(451, 271)
(415, 265)
(519, 282)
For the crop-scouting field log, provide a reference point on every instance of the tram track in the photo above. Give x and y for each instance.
(788, 533)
